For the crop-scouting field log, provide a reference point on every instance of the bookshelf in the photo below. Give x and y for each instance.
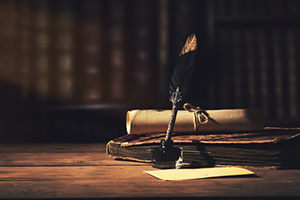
(254, 44)
(71, 69)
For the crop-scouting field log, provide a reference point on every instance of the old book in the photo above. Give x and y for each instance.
(92, 52)
(273, 147)
(263, 66)
(278, 72)
(225, 69)
(292, 73)
(117, 58)
(8, 49)
(24, 51)
(163, 60)
(41, 49)
(250, 68)
(237, 67)
(143, 82)
(63, 88)
(183, 23)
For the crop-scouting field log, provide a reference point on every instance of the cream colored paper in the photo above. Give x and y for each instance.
(231, 120)
(187, 174)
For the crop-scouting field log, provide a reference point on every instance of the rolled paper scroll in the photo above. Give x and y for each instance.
(224, 121)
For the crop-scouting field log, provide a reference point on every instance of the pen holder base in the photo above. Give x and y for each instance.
(166, 156)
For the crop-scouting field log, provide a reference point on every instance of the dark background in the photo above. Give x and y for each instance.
(69, 70)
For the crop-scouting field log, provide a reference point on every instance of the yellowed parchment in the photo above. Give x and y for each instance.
(231, 120)
(187, 174)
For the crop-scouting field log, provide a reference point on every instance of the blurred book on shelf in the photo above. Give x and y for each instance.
(64, 63)
(24, 51)
(8, 51)
(144, 75)
(41, 50)
(91, 52)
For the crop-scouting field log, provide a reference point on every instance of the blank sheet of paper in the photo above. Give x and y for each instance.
(186, 174)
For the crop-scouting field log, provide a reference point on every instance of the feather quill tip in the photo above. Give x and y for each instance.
(190, 44)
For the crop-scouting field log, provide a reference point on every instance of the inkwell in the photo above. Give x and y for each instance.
(168, 156)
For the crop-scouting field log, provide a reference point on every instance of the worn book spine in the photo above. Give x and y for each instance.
(117, 50)
(91, 52)
(224, 40)
(24, 51)
(292, 73)
(237, 68)
(183, 17)
(64, 41)
(263, 66)
(8, 64)
(163, 46)
(144, 65)
(231, 120)
(41, 41)
(250, 68)
(278, 73)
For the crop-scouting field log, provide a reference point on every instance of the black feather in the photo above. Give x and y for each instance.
(181, 78)
(182, 73)
(179, 84)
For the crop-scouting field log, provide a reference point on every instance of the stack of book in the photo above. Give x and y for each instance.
(273, 147)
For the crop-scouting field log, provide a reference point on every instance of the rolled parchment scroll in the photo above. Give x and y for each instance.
(231, 120)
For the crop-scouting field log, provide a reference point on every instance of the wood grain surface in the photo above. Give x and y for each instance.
(39, 171)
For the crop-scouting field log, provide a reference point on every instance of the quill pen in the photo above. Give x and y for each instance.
(181, 78)
(179, 84)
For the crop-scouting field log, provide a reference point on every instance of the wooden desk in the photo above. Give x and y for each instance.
(85, 171)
